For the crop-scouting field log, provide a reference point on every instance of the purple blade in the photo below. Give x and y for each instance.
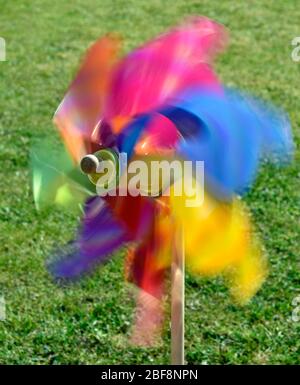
(99, 235)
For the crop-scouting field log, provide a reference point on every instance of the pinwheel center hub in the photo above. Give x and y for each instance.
(89, 164)
(103, 165)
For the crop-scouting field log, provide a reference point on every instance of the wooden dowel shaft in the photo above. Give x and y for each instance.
(177, 300)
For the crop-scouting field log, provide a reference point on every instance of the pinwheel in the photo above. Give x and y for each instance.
(161, 103)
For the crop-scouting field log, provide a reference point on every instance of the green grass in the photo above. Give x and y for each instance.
(90, 322)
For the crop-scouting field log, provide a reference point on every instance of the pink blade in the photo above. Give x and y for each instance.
(150, 75)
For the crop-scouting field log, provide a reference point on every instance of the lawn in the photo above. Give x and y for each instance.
(89, 323)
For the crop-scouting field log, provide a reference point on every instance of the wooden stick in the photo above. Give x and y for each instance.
(177, 301)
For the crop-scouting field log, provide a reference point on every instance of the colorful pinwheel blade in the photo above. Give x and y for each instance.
(107, 224)
(231, 142)
(82, 107)
(99, 235)
(219, 239)
(151, 74)
(148, 261)
(234, 141)
(55, 179)
(147, 266)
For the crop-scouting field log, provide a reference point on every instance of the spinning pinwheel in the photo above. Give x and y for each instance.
(162, 101)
